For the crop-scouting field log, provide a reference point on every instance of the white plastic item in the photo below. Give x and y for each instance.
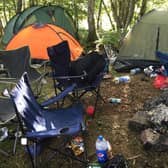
(114, 100)
(101, 149)
(24, 141)
(135, 71)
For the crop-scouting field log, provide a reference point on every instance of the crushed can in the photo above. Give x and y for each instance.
(122, 79)
(77, 145)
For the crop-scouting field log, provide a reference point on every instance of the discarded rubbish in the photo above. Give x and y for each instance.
(122, 79)
(118, 161)
(94, 165)
(101, 149)
(151, 71)
(90, 110)
(3, 133)
(114, 100)
(77, 145)
(135, 71)
(109, 151)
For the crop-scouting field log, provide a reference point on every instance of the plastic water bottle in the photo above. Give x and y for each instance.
(122, 79)
(135, 71)
(101, 149)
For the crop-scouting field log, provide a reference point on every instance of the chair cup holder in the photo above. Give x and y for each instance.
(64, 130)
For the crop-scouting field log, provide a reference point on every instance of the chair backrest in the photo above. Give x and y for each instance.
(60, 60)
(16, 61)
(163, 57)
(26, 105)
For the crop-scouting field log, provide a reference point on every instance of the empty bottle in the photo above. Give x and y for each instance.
(114, 100)
(122, 79)
(101, 149)
(135, 71)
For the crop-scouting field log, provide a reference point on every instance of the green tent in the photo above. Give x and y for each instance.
(39, 14)
(147, 36)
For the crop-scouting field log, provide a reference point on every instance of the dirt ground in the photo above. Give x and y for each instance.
(111, 121)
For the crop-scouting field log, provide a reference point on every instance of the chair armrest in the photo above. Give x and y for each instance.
(59, 96)
(8, 80)
(70, 77)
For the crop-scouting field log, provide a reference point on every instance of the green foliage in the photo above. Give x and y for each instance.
(83, 33)
(109, 37)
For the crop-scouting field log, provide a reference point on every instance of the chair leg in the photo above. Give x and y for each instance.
(31, 157)
(98, 96)
(16, 140)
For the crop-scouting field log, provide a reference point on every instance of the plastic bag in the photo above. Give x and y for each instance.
(118, 161)
(160, 81)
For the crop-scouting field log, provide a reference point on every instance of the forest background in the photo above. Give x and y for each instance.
(96, 21)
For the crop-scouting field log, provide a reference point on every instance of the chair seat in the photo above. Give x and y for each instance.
(40, 121)
(60, 121)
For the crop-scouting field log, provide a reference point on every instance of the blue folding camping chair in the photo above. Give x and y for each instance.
(86, 72)
(163, 57)
(39, 123)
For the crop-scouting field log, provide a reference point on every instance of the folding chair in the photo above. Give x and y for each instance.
(7, 113)
(163, 57)
(65, 72)
(39, 123)
(16, 62)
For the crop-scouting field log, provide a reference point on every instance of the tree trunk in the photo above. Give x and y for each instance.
(108, 14)
(31, 3)
(4, 10)
(92, 36)
(99, 14)
(123, 12)
(143, 8)
(75, 15)
(19, 6)
(1, 28)
(130, 13)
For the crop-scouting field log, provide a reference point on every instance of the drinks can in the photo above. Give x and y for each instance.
(122, 79)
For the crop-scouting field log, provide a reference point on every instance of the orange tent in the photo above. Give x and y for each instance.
(39, 37)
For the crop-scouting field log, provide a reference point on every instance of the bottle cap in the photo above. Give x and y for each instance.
(100, 137)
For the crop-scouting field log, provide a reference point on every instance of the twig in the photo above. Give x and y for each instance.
(134, 157)
(3, 152)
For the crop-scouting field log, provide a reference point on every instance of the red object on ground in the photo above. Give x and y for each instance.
(160, 81)
(90, 110)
